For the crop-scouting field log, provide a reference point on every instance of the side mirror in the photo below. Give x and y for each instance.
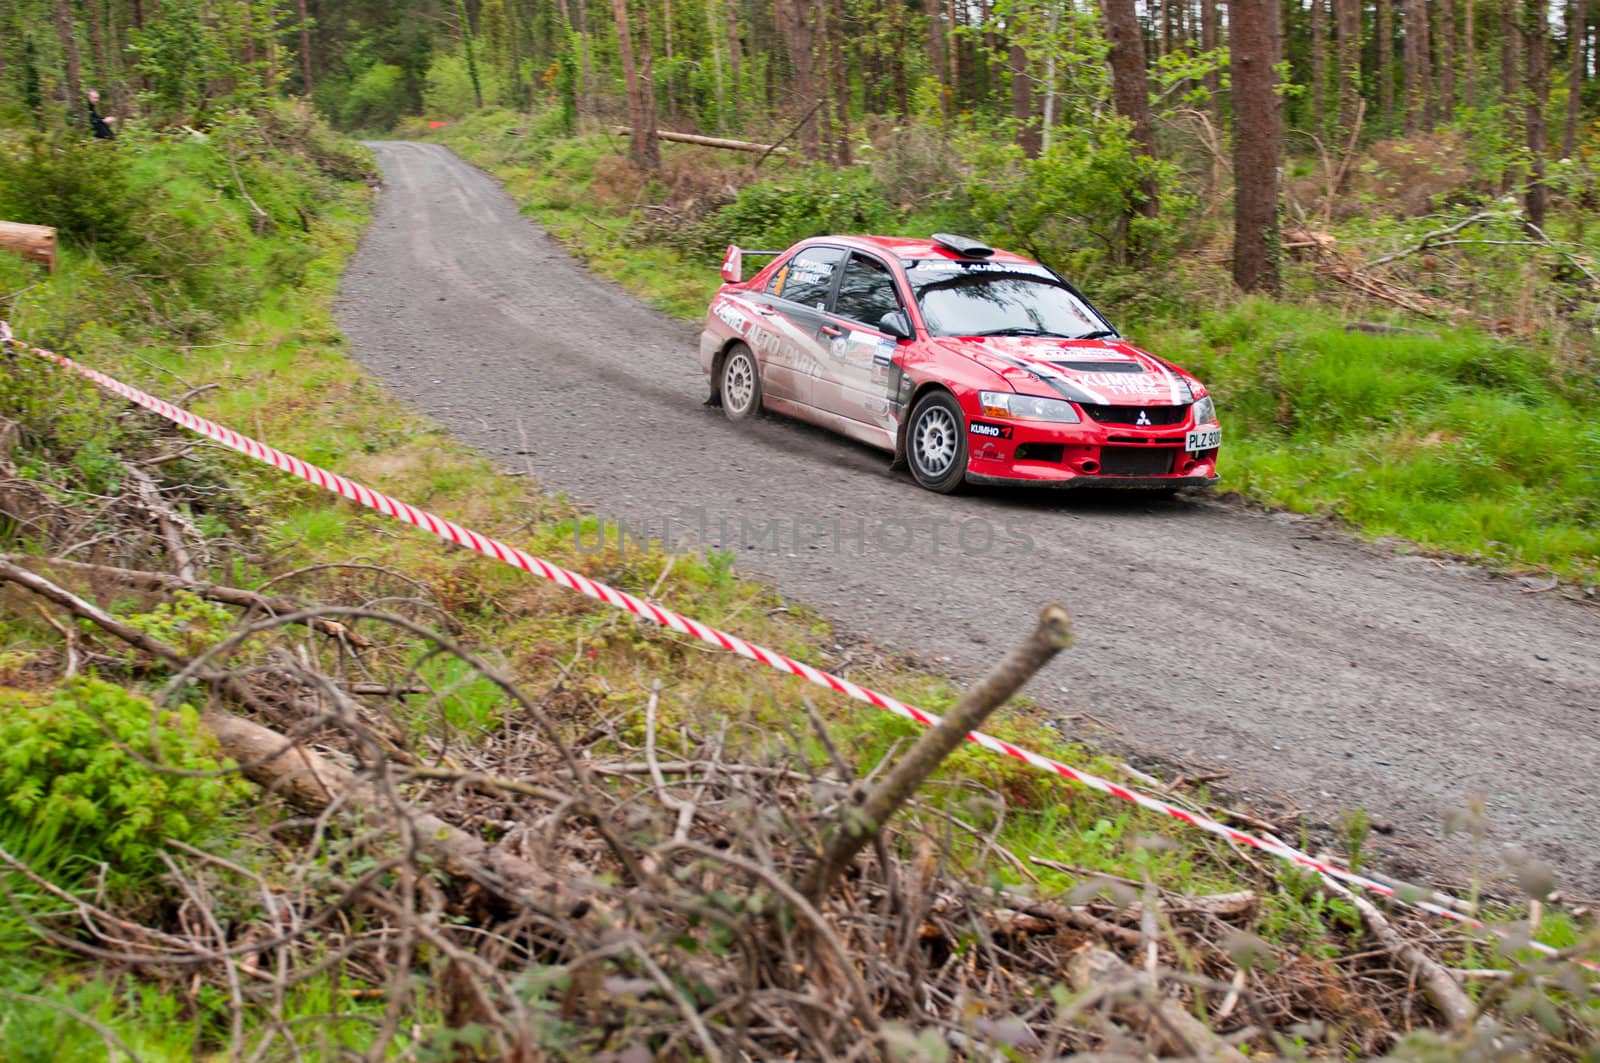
(896, 324)
(733, 265)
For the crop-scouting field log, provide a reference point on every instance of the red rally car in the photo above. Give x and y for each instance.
(969, 364)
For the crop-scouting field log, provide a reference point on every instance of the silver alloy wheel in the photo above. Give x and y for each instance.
(738, 382)
(934, 442)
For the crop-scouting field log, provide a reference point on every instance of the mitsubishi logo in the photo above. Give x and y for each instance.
(1144, 418)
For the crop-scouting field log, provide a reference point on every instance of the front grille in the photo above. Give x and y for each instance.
(1135, 461)
(1101, 367)
(1153, 415)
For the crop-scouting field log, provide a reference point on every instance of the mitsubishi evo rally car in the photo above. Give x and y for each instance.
(969, 364)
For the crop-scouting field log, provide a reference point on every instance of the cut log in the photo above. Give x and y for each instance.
(707, 142)
(37, 242)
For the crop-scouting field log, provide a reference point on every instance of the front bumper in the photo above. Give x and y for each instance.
(1090, 454)
(1136, 483)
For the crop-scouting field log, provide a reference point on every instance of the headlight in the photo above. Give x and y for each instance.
(1027, 407)
(1205, 411)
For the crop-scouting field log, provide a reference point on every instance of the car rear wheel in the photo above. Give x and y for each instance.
(936, 443)
(741, 384)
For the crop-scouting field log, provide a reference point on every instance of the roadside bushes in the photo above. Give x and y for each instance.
(180, 231)
(81, 187)
(1077, 207)
(77, 769)
(774, 214)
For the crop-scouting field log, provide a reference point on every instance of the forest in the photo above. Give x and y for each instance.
(1182, 102)
(279, 780)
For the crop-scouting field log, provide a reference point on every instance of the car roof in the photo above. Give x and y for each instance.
(910, 247)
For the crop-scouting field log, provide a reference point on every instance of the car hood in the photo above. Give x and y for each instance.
(1099, 372)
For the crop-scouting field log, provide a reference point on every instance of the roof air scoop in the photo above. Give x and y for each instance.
(965, 246)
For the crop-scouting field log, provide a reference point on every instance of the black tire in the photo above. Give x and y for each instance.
(936, 443)
(740, 384)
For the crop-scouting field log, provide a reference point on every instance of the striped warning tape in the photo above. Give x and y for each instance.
(1416, 897)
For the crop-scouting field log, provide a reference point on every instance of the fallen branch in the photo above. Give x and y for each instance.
(1429, 239)
(860, 823)
(777, 144)
(313, 783)
(1442, 989)
(215, 592)
(171, 522)
(708, 142)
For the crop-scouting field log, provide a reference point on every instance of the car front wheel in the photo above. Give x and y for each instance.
(936, 443)
(741, 384)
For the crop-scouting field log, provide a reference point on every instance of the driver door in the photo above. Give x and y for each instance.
(856, 382)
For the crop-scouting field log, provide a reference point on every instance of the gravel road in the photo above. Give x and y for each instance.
(1320, 672)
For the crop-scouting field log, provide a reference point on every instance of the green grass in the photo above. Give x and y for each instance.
(1462, 443)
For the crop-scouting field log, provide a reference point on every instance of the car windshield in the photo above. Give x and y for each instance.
(1007, 304)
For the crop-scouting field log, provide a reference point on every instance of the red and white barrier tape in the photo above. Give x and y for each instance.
(574, 581)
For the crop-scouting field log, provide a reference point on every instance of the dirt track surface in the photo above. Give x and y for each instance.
(1320, 672)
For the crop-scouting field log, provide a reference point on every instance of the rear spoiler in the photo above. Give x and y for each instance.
(733, 262)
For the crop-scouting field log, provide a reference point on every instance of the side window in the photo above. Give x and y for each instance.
(807, 277)
(866, 292)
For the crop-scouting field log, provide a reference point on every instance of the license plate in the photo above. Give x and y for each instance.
(1202, 439)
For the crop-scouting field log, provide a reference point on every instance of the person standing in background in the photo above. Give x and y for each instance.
(101, 126)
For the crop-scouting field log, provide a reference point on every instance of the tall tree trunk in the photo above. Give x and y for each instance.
(644, 46)
(305, 50)
(839, 81)
(69, 49)
(1384, 18)
(1130, 86)
(1319, 63)
(643, 148)
(1447, 59)
(97, 45)
(519, 99)
(1348, 17)
(952, 41)
(1419, 83)
(1257, 143)
(798, 26)
(1022, 102)
(1535, 35)
(897, 60)
(1575, 70)
(1508, 79)
(1469, 47)
(934, 9)
(713, 33)
(1508, 53)
(472, 57)
(1053, 21)
(666, 40)
(586, 67)
(1208, 44)
(734, 58)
